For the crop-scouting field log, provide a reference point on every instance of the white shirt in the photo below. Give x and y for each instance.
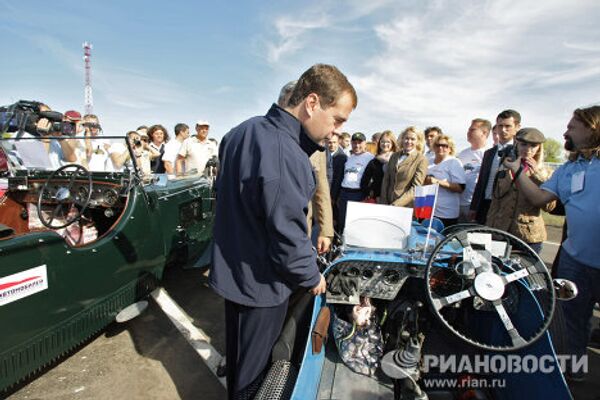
(197, 153)
(471, 160)
(171, 150)
(494, 169)
(99, 160)
(448, 203)
(354, 169)
(430, 155)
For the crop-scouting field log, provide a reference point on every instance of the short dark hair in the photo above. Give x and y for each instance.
(180, 127)
(433, 128)
(327, 82)
(141, 127)
(506, 114)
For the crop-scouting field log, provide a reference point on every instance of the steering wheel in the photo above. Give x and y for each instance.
(478, 273)
(67, 201)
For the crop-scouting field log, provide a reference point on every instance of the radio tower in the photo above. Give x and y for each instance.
(89, 101)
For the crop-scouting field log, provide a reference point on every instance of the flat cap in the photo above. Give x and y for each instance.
(530, 135)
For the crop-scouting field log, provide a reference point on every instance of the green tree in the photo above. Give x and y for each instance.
(552, 150)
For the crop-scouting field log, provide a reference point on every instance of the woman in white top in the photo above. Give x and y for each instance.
(447, 171)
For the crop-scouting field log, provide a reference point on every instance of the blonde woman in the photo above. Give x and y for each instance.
(372, 178)
(406, 169)
(510, 210)
(448, 172)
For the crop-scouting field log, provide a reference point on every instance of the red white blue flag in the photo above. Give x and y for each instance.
(425, 201)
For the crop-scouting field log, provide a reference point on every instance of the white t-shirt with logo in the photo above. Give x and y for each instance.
(354, 169)
(448, 203)
(99, 160)
(471, 160)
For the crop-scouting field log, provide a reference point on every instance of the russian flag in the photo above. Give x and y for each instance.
(425, 200)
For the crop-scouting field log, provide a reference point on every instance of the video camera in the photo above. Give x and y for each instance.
(24, 115)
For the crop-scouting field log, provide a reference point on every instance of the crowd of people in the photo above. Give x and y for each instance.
(153, 149)
(474, 184)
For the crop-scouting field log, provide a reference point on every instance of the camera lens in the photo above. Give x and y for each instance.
(137, 143)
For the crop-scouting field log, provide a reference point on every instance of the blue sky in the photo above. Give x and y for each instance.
(413, 62)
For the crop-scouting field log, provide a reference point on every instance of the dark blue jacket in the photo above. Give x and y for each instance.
(261, 247)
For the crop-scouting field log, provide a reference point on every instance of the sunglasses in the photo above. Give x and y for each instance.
(444, 145)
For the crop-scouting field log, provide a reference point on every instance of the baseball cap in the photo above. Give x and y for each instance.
(202, 122)
(530, 135)
(359, 136)
(72, 115)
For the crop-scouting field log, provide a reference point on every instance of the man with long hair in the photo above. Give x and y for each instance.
(575, 183)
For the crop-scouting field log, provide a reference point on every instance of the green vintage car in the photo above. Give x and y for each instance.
(78, 246)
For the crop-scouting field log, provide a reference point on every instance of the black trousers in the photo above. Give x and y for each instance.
(250, 333)
(482, 212)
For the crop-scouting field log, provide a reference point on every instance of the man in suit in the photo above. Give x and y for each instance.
(508, 123)
(339, 159)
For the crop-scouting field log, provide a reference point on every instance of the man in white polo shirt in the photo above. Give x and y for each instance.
(195, 151)
(471, 158)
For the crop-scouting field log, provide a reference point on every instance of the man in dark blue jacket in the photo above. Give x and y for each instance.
(262, 251)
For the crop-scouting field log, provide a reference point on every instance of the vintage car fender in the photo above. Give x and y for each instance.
(81, 289)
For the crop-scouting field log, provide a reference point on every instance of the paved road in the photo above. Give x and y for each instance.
(147, 358)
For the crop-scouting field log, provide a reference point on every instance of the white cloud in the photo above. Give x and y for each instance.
(444, 63)
(290, 31)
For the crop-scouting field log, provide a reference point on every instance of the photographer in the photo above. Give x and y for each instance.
(120, 157)
(97, 149)
(510, 210)
(32, 119)
(62, 151)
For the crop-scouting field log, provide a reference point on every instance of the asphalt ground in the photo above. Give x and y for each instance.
(149, 358)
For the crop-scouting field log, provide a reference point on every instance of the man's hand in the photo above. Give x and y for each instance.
(320, 288)
(43, 125)
(323, 244)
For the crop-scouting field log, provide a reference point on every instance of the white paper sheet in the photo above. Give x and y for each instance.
(377, 226)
